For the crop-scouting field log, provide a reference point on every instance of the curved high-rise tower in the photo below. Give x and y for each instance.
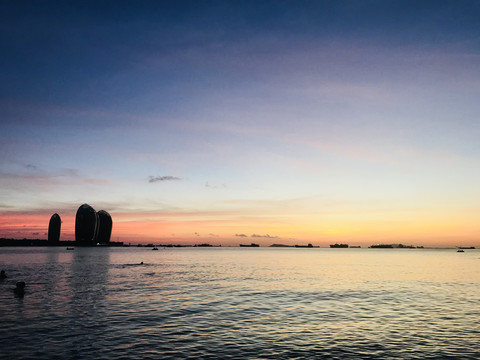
(54, 228)
(85, 225)
(104, 227)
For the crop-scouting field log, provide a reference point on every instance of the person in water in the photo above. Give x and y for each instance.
(2, 275)
(20, 289)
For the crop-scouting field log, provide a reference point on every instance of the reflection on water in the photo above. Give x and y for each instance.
(240, 303)
(88, 308)
(89, 281)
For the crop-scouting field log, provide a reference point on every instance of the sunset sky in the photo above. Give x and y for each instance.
(243, 121)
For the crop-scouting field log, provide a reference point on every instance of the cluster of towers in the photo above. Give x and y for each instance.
(91, 227)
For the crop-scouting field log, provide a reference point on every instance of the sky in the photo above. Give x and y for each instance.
(232, 122)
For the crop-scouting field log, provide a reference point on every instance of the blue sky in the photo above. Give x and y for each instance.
(304, 120)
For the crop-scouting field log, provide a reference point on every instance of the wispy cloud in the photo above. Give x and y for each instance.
(266, 236)
(153, 179)
(241, 235)
(208, 185)
(37, 179)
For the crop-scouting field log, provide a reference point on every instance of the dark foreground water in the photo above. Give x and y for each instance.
(242, 303)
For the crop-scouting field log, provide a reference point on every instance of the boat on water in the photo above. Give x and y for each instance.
(339, 245)
(250, 245)
(155, 248)
(394, 246)
(70, 248)
(460, 250)
(306, 246)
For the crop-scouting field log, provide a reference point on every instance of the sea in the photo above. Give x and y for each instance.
(239, 303)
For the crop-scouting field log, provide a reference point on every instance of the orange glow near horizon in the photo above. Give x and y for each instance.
(435, 230)
(33, 226)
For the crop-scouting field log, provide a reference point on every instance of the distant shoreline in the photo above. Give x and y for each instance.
(42, 242)
(4, 242)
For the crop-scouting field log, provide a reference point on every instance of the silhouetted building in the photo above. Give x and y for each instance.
(85, 225)
(54, 228)
(104, 227)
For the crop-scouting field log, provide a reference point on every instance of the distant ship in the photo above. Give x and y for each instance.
(392, 246)
(339, 246)
(251, 245)
(306, 246)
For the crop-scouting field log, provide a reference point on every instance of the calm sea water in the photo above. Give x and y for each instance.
(248, 303)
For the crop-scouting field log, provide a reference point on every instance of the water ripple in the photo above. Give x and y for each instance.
(230, 304)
